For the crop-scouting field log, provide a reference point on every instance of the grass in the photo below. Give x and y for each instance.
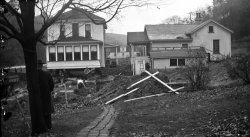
(70, 124)
(216, 112)
(64, 125)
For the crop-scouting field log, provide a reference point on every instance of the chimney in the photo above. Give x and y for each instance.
(198, 18)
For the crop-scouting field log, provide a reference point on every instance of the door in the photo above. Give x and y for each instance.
(139, 66)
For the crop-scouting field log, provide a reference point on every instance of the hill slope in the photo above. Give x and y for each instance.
(217, 112)
(112, 38)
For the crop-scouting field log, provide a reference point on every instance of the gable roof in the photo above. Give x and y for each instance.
(77, 14)
(198, 27)
(168, 31)
(137, 37)
(86, 15)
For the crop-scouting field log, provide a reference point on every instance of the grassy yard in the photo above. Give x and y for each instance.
(214, 112)
(63, 125)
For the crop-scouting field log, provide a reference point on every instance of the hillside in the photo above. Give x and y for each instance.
(112, 38)
(210, 113)
(12, 54)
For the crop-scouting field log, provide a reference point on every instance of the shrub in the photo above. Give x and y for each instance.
(239, 67)
(196, 72)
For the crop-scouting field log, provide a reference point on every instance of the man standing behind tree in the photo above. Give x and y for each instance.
(46, 87)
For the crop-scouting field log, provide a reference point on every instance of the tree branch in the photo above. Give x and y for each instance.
(93, 9)
(52, 20)
(100, 7)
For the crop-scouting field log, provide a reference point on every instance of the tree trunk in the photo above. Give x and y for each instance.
(28, 43)
(30, 56)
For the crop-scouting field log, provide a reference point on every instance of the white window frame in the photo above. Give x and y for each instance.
(90, 29)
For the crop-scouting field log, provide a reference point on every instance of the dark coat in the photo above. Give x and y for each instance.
(46, 87)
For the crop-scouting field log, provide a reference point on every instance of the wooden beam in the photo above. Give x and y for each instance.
(150, 95)
(142, 80)
(163, 83)
(122, 95)
(144, 97)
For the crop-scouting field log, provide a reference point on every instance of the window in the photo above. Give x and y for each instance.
(216, 47)
(210, 29)
(141, 65)
(140, 50)
(69, 53)
(52, 53)
(75, 29)
(77, 53)
(154, 49)
(87, 30)
(93, 49)
(173, 62)
(62, 31)
(85, 52)
(181, 62)
(161, 49)
(60, 53)
(185, 45)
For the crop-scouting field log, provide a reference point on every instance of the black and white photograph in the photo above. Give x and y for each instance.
(125, 68)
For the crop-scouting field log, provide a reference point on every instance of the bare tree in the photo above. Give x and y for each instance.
(19, 22)
(196, 70)
(173, 20)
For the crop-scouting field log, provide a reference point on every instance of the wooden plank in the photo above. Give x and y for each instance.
(151, 95)
(142, 80)
(121, 96)
(144, 97)
(163, 83)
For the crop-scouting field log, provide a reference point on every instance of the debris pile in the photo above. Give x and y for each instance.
(121, 83)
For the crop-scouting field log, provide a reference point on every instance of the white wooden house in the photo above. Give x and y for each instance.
(79, 41)
(166, 46)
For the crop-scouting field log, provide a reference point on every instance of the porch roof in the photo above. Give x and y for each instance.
(79, 39)
(180, 53)
(137, 38)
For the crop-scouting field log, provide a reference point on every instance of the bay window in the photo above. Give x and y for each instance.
(77, 53)
(93, 49)
(52, 53)
(85, 52)
(60, 53)
(68, 53)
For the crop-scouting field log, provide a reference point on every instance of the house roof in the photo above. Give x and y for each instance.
(137, 37)
(198, 27)
(168, 31)
(181, 53)
(78, 39)
(78, 13)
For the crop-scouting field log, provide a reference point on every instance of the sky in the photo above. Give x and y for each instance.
(133, 19)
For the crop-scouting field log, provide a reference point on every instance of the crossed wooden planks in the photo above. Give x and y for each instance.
(150, 75)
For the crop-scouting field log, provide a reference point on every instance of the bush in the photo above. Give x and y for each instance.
(196, 72)
(239, 67)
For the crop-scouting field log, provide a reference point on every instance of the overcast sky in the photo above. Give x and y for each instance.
(134, 19)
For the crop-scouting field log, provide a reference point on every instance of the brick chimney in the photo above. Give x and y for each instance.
(198, 18)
